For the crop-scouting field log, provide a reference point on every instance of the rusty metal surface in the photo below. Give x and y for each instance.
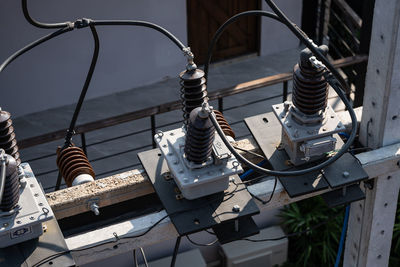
(226, 128)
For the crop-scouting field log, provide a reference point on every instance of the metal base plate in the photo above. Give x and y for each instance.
(336, 197)
(226, 231)
(267, 130)
(190, 216)
(350, 171)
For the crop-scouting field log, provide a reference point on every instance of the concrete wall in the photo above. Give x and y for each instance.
(52, 74)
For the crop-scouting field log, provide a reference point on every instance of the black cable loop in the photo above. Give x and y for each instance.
(38, 24)
(329, 76)
(222, 28)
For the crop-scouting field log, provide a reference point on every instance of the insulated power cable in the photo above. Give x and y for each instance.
(43, 39)
(222, 28)
(3, 160)
(89, 76)
(342, 236)
(40, 24)
(332, 78)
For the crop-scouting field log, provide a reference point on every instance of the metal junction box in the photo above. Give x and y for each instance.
(196, 180)
(25, 222)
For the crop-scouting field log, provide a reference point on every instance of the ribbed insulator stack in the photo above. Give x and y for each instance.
(310, 89)
(11, 187)
(7, 136)
(200, 137)
(226, 128)
(72, 163)
(193, 91)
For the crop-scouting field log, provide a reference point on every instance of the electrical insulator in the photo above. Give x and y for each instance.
(308, 124)
(11, 185)
(198, 160)
(226, 128)
(193, 89)
(7, 136)
(199, 137)
(74, 166)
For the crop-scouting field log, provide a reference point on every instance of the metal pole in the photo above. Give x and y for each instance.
(153, 130)
(221, 104)
(285, 91)
(83, 141)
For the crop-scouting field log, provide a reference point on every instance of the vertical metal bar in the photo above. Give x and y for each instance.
(58, 183)
(153, 130)
(285, 91)
(176, 249)
(83, 142)
(221, 104)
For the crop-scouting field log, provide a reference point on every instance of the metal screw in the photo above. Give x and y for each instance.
(286, 105)
(324, 129)
(36, 194)
(5, 224)
(19, 222)
(236, 208)
(31, 218)
(32, 185)
(345, 174)
(95, 208)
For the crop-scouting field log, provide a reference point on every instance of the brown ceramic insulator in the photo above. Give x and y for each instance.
(11, 185)
(7, 136)
(226, 128)
(72, 162)
(193, 91)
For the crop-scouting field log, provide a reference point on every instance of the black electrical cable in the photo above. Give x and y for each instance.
(135, 258)
(144, 257)
(201, 245)
(22, 51)
(156, 27)
(78, 107)
(222, 28)
(40, 24)
(3, 160)
(328, 76)
(176, 250)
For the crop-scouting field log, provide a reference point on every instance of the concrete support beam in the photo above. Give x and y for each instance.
(371, 221)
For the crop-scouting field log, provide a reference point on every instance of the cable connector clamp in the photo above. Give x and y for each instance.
(82, 23)
(190, 58)
(316, 63)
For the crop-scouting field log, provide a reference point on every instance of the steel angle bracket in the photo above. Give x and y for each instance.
(217, 211)
(343, 196)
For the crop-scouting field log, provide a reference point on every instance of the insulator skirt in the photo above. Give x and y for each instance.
(72, 162)
(199, 138)
(193, 91)
(11, 186)
(226, 128)
(310, 90)
(7, 136)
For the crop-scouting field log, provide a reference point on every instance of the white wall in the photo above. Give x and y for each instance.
(53, 74)
(276, 37)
